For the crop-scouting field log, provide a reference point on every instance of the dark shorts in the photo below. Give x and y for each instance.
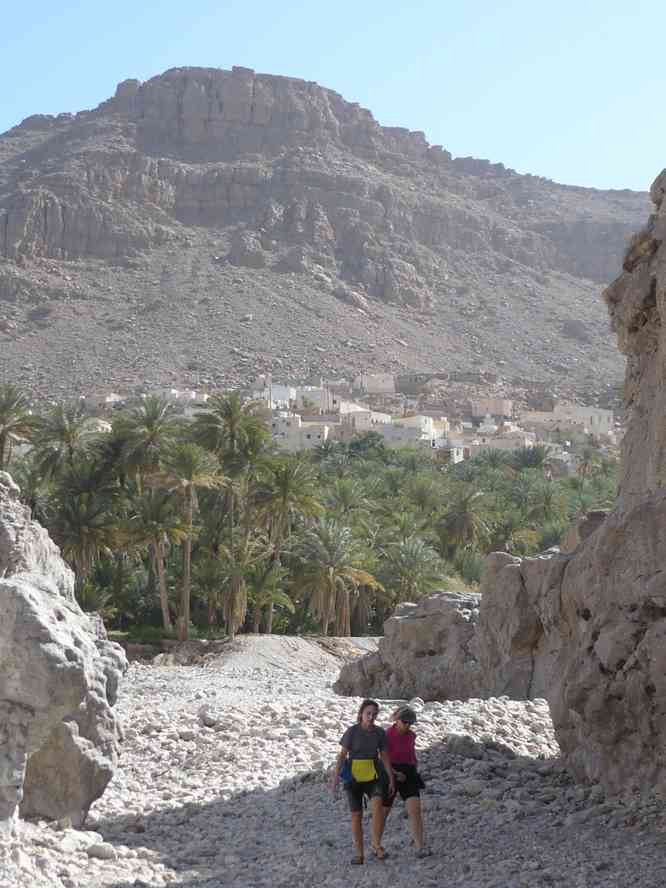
(406, 789)
(373, 789)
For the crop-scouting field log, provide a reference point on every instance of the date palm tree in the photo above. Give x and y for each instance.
(546, 503)
(230, 429)
(85, 522)
(463, 523)
(16, 421)
(330, 572)
(412, 569)
(239, 555)
(154, 521)
(347, 498)
(60, 435)
(285, 492)
(85, 528)
(186, 468)
(144, 435)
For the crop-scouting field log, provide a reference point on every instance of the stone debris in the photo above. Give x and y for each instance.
(244, 802)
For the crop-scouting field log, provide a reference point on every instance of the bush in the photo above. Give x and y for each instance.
(142, 634)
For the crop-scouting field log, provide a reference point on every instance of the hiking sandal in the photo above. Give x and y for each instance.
(357, 860)
(424, 852)
(379, 852)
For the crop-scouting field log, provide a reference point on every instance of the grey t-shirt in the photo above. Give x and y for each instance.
(364, 744)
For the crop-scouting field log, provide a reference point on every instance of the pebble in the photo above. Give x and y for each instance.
(223, 781)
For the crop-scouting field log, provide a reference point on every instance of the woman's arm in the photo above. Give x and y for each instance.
(386, 761)
(339, 762)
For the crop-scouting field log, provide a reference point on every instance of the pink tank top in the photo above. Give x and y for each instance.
(400, 747)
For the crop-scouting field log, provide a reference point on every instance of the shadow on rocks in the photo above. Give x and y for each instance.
(493, 820)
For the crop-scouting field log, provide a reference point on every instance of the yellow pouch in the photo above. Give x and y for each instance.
(363, 770)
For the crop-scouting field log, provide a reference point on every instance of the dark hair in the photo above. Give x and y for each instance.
(363, 706)
(404, 714)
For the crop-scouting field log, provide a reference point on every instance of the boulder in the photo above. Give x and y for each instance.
(58, 679)
(509, 637)
(426, 649)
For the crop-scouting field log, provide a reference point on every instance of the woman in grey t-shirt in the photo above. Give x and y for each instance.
(363, 747)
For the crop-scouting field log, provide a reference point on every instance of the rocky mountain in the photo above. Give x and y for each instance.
(207, 225)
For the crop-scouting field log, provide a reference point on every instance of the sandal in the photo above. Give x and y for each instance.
(424, 852)
(357, 860)
(379, 852)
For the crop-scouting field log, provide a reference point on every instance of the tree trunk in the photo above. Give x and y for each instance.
(119, 576)
(269, 618)
(212, 610)
(232, 620)
(184, 619)
(161, 580)
(80, 574)
(256, 617)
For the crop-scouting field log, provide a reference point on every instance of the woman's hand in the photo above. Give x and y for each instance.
(391, 786)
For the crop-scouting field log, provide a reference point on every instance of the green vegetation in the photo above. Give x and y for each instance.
(177, 528)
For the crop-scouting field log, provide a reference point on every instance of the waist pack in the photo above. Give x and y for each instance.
(363, 770)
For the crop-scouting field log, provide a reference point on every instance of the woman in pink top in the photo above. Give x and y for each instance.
(400, 745)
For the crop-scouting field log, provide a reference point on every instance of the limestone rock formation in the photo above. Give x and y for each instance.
(58, 678)
(427, 649)
(455, 645)
(587, 627)
(133, 204)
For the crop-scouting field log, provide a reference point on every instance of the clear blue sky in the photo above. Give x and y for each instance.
(569, 90)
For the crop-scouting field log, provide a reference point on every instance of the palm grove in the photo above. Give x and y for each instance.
(177, 527)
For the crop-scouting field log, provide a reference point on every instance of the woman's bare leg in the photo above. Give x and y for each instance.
(357, 831)
(378, 821)
(385, 814)
(415, 820)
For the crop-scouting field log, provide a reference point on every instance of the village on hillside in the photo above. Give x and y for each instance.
(408, 410)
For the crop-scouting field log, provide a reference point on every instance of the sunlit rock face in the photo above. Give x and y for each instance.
(58, 678)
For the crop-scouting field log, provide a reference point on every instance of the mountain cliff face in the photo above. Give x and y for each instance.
(202, 196)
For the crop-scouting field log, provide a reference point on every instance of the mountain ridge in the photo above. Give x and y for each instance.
(212, 195)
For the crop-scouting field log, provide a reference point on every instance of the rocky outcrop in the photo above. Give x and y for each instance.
(455, 645)
(636, 301)
(221, 148)
(514, 659)
(58, 679)
(427, 649)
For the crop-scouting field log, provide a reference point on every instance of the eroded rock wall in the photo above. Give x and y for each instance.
(636, 302)
(297, 164)
(58, 678)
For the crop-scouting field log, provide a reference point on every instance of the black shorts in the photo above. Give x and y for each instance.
(373, 789)
(406, 789)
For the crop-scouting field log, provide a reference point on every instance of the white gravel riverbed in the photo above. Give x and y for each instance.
(223, 782)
